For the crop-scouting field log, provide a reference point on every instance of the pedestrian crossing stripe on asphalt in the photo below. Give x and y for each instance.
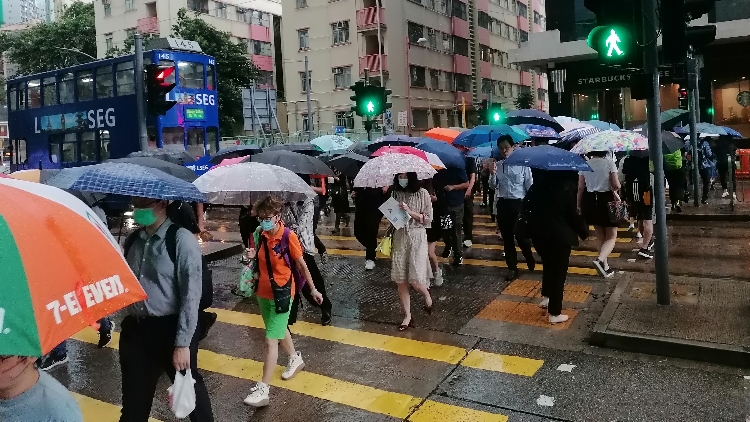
(98, 411)
(492, 233)
(371, 399)
(478, 246)
(471, 262)
(477, 359)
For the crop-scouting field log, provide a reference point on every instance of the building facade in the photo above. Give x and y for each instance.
(582, 88)
(437, 56)
(14, 12)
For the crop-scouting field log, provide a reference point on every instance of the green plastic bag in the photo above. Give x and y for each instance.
(247, 280)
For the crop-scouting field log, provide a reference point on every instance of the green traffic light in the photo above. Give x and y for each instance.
(370, 107)
(613, 43)
(710, 111)
(496, 117)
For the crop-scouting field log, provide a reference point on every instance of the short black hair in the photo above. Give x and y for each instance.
(413, 186)
(591, 154)
(504, 138)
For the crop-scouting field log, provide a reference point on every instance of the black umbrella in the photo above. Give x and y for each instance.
(374, 146)
(176, 170)
(360, 148)
(294, 161)
(532, 117)
(300, 147)
(234, 152)
(177, 157)
(349, 164)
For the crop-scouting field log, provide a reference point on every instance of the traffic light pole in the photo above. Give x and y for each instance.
(309, 116)
(692, 70)
(651, 60)
(139, 88)
(368, 126)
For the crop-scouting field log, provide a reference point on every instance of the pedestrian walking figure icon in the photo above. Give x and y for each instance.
(611, 42)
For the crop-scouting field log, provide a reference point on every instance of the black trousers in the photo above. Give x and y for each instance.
(486, 190)
(320, 284)
(722, 167)
(556, 258)
(468, 220)
(706, 181)
(146, 350)
(318, 243)
(452, 236)
(676, 180)
(366, 227)
(507, 215)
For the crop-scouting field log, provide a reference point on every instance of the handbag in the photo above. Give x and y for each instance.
(386, 245)
(182, 394)
(618, 210)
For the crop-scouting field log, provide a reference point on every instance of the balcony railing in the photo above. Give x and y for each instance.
(368, 17)
(148, 25)
(373, 63)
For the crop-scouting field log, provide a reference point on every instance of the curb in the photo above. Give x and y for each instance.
(701, 351)
(228, 252)
(709, 217)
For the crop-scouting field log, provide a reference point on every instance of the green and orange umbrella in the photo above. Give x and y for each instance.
(60, 268)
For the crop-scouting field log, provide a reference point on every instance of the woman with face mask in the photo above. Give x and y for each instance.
(409, 256)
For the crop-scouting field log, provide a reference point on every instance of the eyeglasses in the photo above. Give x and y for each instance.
(267, 217)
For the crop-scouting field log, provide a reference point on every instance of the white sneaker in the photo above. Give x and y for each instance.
(544, 303)
(467, 243)
(369, 265)
(639, 235)
(258, 396)
(296, 364)
(725, 194)
(556, 319)
(439, 277)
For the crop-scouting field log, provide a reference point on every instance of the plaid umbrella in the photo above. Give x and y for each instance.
(610, 140)
(379, 172)
(578, 133)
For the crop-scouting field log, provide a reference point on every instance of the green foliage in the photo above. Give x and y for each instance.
(128, 46)
(524, 101)
(69, 41)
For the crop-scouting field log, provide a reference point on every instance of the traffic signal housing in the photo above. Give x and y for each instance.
(157, 87)
(495, 114)
(369, 100)
(677, 35)
(618, 36)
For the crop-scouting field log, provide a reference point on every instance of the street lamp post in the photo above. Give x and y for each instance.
(75, 50)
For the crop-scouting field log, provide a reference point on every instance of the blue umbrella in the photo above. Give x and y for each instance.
(126, 179)
(482, 135)
(449, 155)
(533, 117)
(537, 131)
(482, 152)
(704, 128)
(547, 157)
(328, 143)
(731, 132)
(234, 152)
(602, 125)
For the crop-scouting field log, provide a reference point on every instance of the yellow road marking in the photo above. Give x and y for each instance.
(359, 396)
(524, 313)
(577, 293)
(98, 411)
(395, 345)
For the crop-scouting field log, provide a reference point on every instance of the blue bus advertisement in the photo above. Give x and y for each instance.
(87, 113)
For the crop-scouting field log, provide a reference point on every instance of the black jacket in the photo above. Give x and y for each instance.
(552, 214)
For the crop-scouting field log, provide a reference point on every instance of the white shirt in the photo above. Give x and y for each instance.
(598, 180)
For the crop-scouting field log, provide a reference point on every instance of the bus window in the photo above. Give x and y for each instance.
(88, 146)
(125, 81)
(69, 148)
(173, 138)
(49, 91)
(169, 79)
(211, 77)
(195, 146)
(104, 145)
(35, 93)
(22, 152)
(13, 94)
(22, 96)
(85, 86)
(212, 140)
(54, 148)
(191, 75)
(104, 82)
(67, 89)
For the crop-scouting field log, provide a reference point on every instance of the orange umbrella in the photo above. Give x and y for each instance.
(61, 268)
(442, 134)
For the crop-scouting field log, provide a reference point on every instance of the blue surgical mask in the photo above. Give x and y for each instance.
(267, 225)
(403, 182)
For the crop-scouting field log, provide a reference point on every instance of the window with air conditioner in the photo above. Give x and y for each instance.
(304, 39)
(446, 42)
(241, 14)
(342, 77)
(432, 38)
(108, 43)
(415, 31)
(260, 18)
(261, 48)
(434, 79)
(523, 11)
(304, 82)
(340, 32)
(523, 36)
(221, 10)
(107, 8)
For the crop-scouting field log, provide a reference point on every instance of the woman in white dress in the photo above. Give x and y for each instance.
(409, 255)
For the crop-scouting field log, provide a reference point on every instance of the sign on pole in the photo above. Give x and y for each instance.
(402, 119)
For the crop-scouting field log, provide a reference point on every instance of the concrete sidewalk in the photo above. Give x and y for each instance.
(707, 319)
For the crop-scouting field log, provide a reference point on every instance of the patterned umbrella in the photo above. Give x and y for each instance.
(565, 121)
(442, 134)
(379, 171)
(62, 270)
(602, 125)
(703, 128)
(176, 170)
(547, 158)
(610, 140)
(245, 183)
(392, 137)
(578, 133)
(391, 140)
(328, 143)
(536, 131)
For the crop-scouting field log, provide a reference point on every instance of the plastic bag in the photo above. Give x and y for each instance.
(182, 394)
(247, 282)
(385, 246)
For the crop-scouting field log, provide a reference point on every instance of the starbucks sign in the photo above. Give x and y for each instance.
(743, 98)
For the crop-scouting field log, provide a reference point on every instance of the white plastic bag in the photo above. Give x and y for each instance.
(182, 395)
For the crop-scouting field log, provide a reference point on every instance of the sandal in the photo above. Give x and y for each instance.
(428, 309)
(404, 327)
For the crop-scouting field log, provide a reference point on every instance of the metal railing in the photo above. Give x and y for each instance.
(294, 137)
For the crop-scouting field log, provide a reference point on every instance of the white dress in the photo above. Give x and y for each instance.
(409, 254)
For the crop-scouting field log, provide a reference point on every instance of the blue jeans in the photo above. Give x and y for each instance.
(62, 348)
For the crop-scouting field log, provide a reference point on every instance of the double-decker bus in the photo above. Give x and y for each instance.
(87, 113)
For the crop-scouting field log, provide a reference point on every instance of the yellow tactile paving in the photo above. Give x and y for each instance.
(524, 313)
(577, 293)
(98, 411)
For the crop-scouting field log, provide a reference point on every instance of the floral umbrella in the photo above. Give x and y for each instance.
(431, 158)
(379, 171)
(610, 140)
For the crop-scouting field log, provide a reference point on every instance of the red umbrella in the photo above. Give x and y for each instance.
(400, 150)
(3, 175)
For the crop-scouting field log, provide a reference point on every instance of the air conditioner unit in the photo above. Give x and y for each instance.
(441, 111)
(454, 112)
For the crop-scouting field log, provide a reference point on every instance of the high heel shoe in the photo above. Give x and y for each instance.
(404, 327)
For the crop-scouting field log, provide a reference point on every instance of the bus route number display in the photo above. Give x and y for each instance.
(194, 114)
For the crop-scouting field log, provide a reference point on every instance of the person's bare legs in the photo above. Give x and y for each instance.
(647, 230)
(422, 288)
(610, 237)
(272, 356)
(403, 295)
(433, 257)
(600, 236)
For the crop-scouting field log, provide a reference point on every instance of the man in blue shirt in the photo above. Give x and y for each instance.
(511, 184)
(450, 188)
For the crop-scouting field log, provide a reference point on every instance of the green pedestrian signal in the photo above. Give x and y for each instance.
(615, 44)
(370, 107)
(612, 42)
(495, 114)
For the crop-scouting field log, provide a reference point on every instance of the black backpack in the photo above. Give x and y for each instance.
(207, 297)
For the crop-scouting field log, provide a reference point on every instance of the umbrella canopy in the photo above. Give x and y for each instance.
(602, 125)
(449, 155)
(674, 117)
(574, 125)
(79, 278)
(610, 140)
(349, 164)
(234, 152)
(733, 133)
(565, 121)
(301, 147)
(176, 170)
(180, 157)
(4, 176)
(546, 157)
(34, 175)
(245, 183)
(533, 117)
(578, 133)
(400, 150)
(481, 152)
(328, 143)
(230, 161)
(360, 148)
(380, 171)
(294, 161)
(460, 129)
(536, 131)
(671, 142)
(486, 134)
(126, 179)
(392, 137)
(382, 142)
(703, 128)
(442, 134)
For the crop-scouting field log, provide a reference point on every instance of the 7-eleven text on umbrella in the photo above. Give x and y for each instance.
(93, 294)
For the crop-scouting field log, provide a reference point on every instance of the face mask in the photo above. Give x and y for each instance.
(267, 225)
(403, 182)
(144, 216)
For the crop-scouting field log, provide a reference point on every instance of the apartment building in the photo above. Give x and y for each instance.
(435, 55)
(256, 22)
(14, 12)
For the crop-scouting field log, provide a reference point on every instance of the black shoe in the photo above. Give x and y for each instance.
(458, 261)
(645, 253)
(678, 208)
(446, 252)
(207, 320)
(105, 336)
(325, 318)
(51, 362)
(650, 246)
(512, 275)
(704, 201)
(492, 218)
(531, 264)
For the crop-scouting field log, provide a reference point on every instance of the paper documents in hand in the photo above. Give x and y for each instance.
(394, 214)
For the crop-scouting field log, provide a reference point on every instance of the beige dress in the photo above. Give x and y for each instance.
(409, 255)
